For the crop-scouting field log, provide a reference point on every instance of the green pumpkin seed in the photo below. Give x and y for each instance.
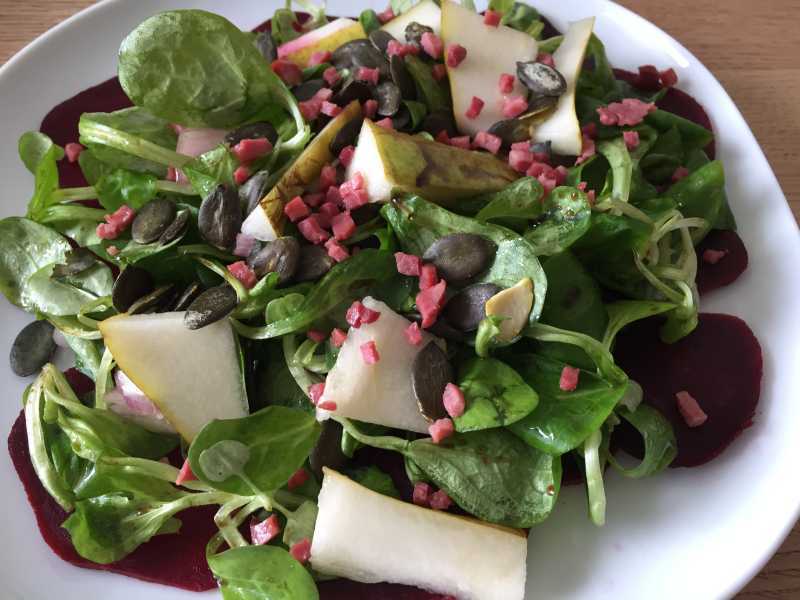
(32, 348)
(186, 297)
(78, 260)
(161, 296)
(253, 190)
(541, 79)
(414, 32)
(220, 217)
(152, 220)
(280, 256)
(430, 373)
(467, 309)
(132, 284)
(380, 39)
(313, 264)
(176, 229)
(253, 131)
(211, 306)
(459, 257)
(346, 136)
(389, 98)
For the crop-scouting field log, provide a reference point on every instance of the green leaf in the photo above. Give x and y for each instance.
(624, 312)
(226, 458)
(701, 194)
(278, 440)
(432, 93)
(42, 293)
(121, 186)
(566, 218)
(521, 199)
(369, 20)
(373, 478)
(495, 394)
(35, 147)
(211, 169)
(300, 523)
(40, 154)
(692, 134)
(283, 21)
(598, 82)
(417, 110)
(660, 447)
(401, 6)
(261, 573)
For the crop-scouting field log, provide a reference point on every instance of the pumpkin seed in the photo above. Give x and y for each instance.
(380, 39)
(389, 98)
(176, 229)
(253, 190)
(328, 451)
(401, 119)
(186, 297)
(132, 284)
(541, 79)
(359, 53)
(352, 90)
(77, 261)
(152, 220)
(220, 217)
(440, 120)
(539, 104)
(402, 78)
(253, 131)
(266, 46)
(542, 148)
(414, 32)
(467, 309)
(314, 262)
(280, 256)
(32, 348)
(430, 373)
(161, 296)
(460, 256)
(346, 136)
(211, 306)
(510, 131)
(444, 330)
(306, 90)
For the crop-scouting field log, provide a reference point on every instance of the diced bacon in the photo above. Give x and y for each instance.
(331, 76)
(368, 75)
(107, 232)
(317, 58)
(358, 315)
(242, 174)
(311, 230)
(462, 141)
(346, 155)
(561, 173)
(432, 44)
(590, 195)
(113, 250)
(582, 186)
(249, 150)
(369, 109)
(588, 150)
(506, 83)
(386, 123)
(413, 334)
(569, 378)
(422, 494)
(430, 302)
(440, 500)
(590, 129)
(428, 277)
(355, 199)
(487, 141)
(520, 160)
(712, 256)
(386, 15)
(539, 168)
(668, 77)
(329, 210)
(548, 181)
(525, 145)
(261, 533)
(314, 200)
(315, 390)
(289, 72)
(690, 410)
(327, 177)
(648, 77)
(456, 53)
(301, 551)
(315, 335)
(369, 353)
(297, 479)
(336, 251)
(116, 223)
(330, 109)
(546, 59)
(332, 196)
(310, 109)
(513, 106)
(244, 245)
(679, 174)
(328, 405)
(408, 264)
(492, 18)
(243, 273)
(296, 209)
(442, 137)
(395, 48)
(353, 192)
(172, 174)
(631, 139)
(475, 108)
(185, 474)
(73, 151)
(631, 111)
(440, 429)
(338, 337)
(439, 71)
(453, 399)
(343, 226)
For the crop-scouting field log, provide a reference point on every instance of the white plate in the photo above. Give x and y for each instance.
(690, 533)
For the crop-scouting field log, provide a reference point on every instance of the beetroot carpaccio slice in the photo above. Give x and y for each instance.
(711, 276)
(719, 364)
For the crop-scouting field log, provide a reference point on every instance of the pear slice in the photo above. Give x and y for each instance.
(193, 376)
(561, 128)
(267, 220)
(391, 161)
(365, 536)
(328, 37)
(514, 306)
(380, 393)
(424, 13)
(490, 52)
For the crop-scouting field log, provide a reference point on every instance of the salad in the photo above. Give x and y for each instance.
(351, 299)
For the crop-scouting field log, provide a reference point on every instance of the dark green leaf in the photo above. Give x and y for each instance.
(566, 218)
(432, 93)
(373, 478)
(210, 169)
(40, 154)
(369, 20)
(120, 186)
(660, 447)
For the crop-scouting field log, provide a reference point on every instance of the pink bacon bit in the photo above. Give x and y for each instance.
(546, 59)
(113, 250)
(589, 149)
(475, 108)
(629, 112)
(338, 337)
(289, 72)
(386, 123)
(441, 429)
(243, 273)
(386, 16)
(330, 109)
(453, 399)
(314, 200)
(395, 48)
(296, 209)
(346, 155)
(422, 494)
(492, 18)
(487, 141)
(301, 551)
(590, 129)
(369, 109)
(116, 223)
(569, 378)
(631, 139)
(358, 315)
(668, 77)
(331, 76)
(244, 245)
(455, 55)
(311, 230)
(315, 391)
(369, 353)
(506, 83)
(310, 109)
(413, 334)
(353, 192)
(520, 160)
(462, 142)
(513, 106)
(332, 196)
(73, 151)
(408, 264)
(712, 256)
(327, 177)
(185, 474)
(368, 75)
(430, 302)
(690, 410)
(561, 173)
(336, 251)
(247, 151)
(263, 532)
(242, 174)
(317, 58)
(679, 174)
(428, 277)
(328, 405)
(315, 335)
(440, 500)
(432, 44)
(329, 210)
(343, 226)
(297, 479)
(439, 71)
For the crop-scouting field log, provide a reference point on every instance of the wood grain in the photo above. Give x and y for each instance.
(753, 49)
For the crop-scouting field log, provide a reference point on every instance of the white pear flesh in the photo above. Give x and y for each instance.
(365, 536)
(380, 393)
(562, 128)
(514, 306)
(424, 13)
(490, 52)
(193, 376)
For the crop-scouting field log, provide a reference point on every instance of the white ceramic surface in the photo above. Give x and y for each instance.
(690, 533)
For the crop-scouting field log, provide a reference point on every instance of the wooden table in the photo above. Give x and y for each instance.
(753, 49)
